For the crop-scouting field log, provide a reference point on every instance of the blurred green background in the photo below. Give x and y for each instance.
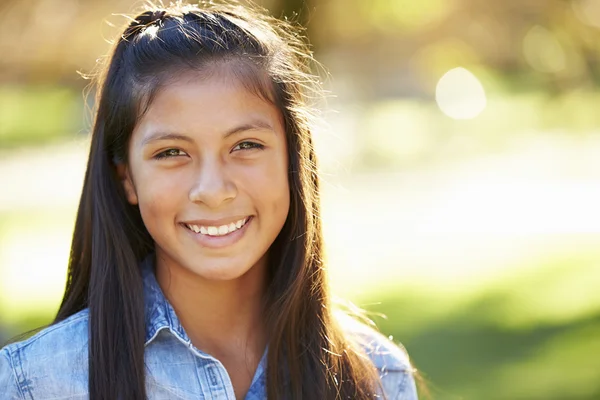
(461, 165)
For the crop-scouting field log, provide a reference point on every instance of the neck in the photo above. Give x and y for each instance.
(219, 317)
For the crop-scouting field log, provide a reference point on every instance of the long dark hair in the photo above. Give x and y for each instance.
(306, 346)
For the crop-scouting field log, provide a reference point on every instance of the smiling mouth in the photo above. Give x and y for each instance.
(222, 230)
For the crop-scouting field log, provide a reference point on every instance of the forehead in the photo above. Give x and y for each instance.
(208, 103)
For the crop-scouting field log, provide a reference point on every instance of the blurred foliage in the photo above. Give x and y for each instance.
(38, 115)
(549, 45)
(533, 45)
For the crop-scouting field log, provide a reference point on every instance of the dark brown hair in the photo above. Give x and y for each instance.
(306, 346)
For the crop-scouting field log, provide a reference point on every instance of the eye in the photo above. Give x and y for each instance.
(248, 146)
(170, 153)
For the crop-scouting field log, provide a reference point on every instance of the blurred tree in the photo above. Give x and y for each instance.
(550, 45)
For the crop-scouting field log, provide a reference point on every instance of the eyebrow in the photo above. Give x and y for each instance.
(255, 125)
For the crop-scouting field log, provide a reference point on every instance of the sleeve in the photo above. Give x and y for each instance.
(408, 389)
(8, 378)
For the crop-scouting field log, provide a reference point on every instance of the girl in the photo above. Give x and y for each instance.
(196, 268)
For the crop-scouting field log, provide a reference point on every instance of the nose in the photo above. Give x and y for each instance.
(212, 185)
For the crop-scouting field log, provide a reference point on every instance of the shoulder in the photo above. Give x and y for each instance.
(60, 338)
(391, 360)
(53, 361)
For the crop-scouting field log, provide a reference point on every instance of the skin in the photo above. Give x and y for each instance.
(209, 175)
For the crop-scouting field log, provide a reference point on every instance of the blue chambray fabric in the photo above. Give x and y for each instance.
(53, 364)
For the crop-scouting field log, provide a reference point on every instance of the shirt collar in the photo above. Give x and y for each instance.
(159, 313)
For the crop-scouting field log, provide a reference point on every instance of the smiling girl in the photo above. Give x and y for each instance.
(196, 268)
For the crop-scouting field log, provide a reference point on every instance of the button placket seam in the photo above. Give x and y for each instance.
(216, 388)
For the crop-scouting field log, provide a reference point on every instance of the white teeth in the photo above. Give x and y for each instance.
(218, 231)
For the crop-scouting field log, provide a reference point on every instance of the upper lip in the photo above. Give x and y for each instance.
(216, 222)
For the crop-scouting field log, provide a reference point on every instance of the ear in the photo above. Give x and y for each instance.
(125, 177)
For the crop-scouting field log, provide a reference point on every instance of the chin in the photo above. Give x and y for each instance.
(222, 271)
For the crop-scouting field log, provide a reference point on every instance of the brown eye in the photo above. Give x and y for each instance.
(248, 146)
(169, 153)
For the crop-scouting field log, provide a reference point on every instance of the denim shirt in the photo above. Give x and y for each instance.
(53, 364)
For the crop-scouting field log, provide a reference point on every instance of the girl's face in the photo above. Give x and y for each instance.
(208, 169)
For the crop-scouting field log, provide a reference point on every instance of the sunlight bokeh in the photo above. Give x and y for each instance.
(460, 95)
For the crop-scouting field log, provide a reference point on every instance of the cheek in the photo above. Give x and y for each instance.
(269, 188)
(158, 196)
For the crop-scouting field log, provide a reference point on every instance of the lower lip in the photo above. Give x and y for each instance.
(217, 242)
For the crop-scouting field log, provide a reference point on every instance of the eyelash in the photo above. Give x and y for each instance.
(163, 154)
(253, 145)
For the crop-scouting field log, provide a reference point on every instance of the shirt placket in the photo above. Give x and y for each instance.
(216, 382)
